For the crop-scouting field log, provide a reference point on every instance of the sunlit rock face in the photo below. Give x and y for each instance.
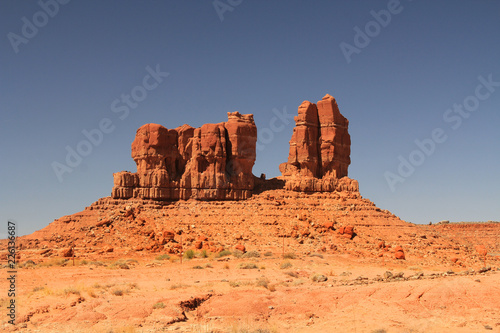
(213, 162)
(320, 150)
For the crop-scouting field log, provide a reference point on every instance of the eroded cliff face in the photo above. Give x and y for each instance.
(320, 150)
(213, 162)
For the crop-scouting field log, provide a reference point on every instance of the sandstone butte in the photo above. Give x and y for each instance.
(351, 266)
(320, 150)
(194, 188)
(213, 162)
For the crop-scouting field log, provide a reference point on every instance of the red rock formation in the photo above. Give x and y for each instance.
(335, 141)
(481, 250)
(319, 150)
(399, 253)
(240, 247)
(212, 162)
(347, 231)
(66, 253)
(304, 156)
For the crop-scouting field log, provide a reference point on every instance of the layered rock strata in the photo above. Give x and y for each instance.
(213, 162)
(320, 150)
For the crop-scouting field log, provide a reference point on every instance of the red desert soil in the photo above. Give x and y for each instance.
(123, 281)
(153, 296)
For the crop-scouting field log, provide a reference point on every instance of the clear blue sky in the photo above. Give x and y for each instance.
(254, 56)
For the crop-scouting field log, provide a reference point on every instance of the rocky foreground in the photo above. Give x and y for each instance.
(259, 291)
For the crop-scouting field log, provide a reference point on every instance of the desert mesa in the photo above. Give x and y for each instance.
(193, 229)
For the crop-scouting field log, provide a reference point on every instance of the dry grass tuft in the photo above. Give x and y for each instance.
(292, 274)
(178, 286)
(237, 254)
(262, 282)
(54, 262)
(251, 254)
(223, 253)
(285, 265)
(71, 290)
(118, 292)
(159, 305)
(163, 257)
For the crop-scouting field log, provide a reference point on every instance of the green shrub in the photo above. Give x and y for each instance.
(119, 264)
(189, 254)
(97, 263)
(159, 305)
(251, 254)
(163, 257)
(223, 253)
(237, 253)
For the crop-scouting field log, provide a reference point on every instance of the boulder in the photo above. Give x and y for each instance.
(399, 253)
(481, 250)
(67, 253)
(202, 238)
(328, 225)
(347, 231)
(240, 247)
(169, 234)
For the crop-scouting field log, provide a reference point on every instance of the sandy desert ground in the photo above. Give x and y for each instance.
(218, 294)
